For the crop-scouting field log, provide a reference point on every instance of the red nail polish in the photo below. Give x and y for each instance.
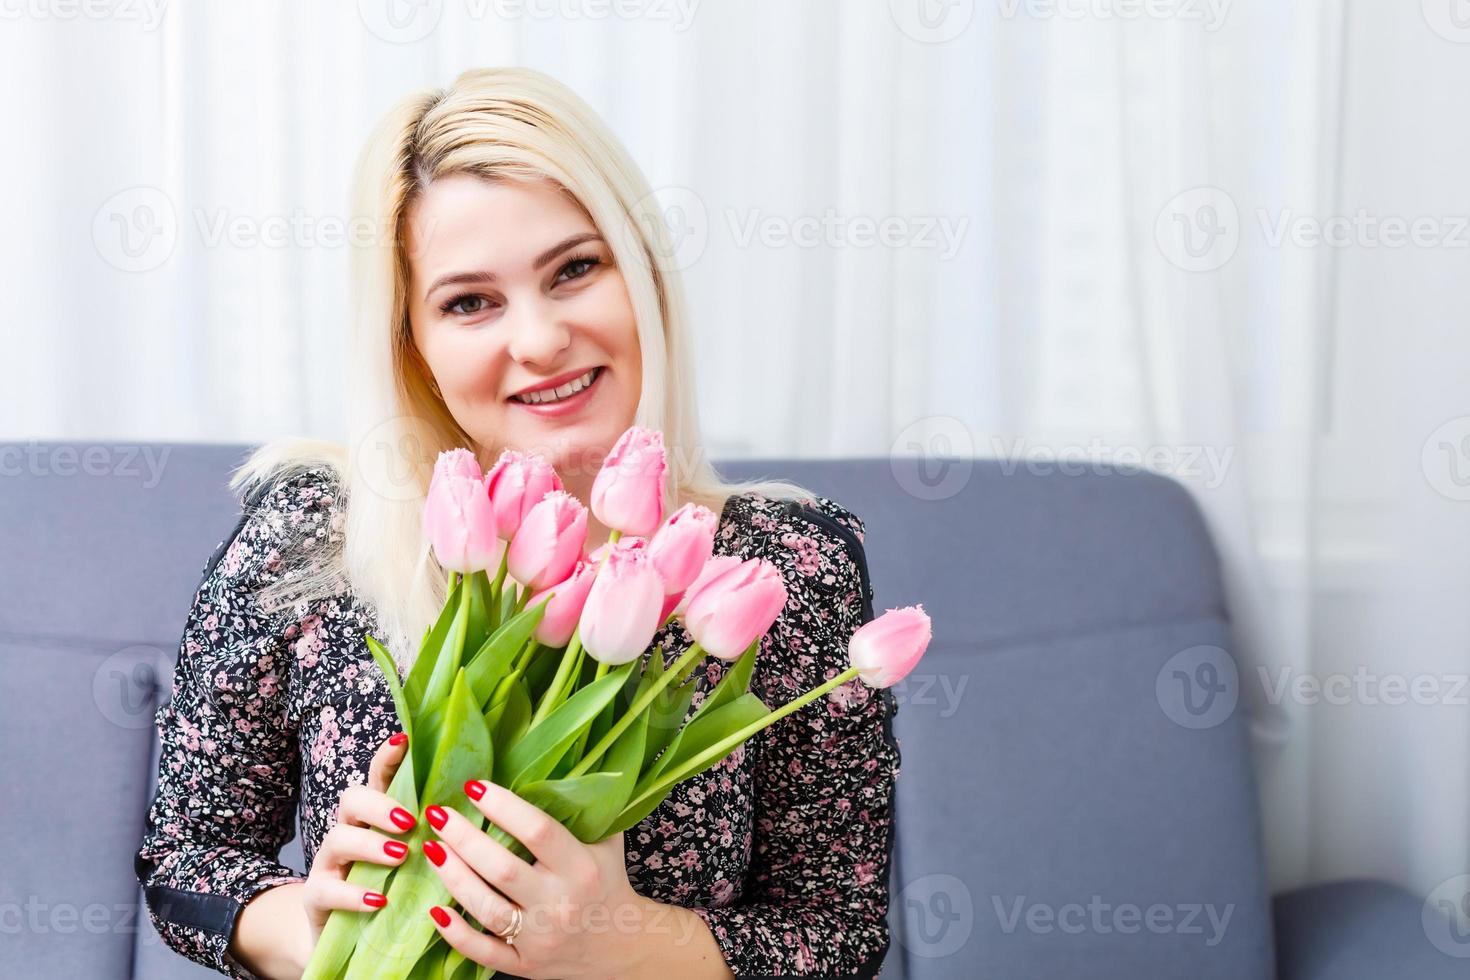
(402, 818)
(437, 817)
(440, 916)
(435, 852)
(398, 738)
(376, 899)
(395, 848)
(474, 789)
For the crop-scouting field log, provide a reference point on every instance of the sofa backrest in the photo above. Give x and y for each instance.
(1076, 795)
(1072, 801)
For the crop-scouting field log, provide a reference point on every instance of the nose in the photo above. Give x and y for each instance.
(537, 336)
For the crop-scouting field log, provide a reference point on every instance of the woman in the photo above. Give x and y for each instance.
(519, 301)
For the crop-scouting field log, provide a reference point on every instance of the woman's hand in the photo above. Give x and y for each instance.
(580, 917)
(350, 839)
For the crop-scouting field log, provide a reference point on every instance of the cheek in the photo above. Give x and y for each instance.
(610, 314)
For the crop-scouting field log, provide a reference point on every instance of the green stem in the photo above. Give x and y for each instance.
(551, 698)
(687, 660)
(728, 744)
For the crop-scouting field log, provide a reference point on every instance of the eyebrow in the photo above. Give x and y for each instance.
(540, 262)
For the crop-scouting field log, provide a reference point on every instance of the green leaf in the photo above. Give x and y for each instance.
(396, 936)
(389, 668)
(423, 665)
(703, 731)
(696, 737)
(492, 660)
(515, 718)
(431, 965)
(665, 716)
(575, 802)
(532, 757)
(446, 669)
(339, 936)
(482, 621)
(734, 684)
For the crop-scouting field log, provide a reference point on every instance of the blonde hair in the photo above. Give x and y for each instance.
(494, 123)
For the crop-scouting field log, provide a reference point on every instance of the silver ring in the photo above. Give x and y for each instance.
(516, 921)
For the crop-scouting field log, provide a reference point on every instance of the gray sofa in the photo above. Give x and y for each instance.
(1064, 808)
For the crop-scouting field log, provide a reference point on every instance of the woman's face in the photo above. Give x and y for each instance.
(514, 291)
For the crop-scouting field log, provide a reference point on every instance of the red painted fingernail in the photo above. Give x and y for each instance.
(395, 848)
(435, 852)
(474, 789)
(440, 916)
(437, 817)
(402, 818)
(398, 738)
(376, 899)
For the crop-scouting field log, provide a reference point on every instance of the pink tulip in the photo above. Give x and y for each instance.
(564, 608)
(886, 649)
(549, 542)
(621, 613)
(712, 569)
(517, 483)
(682, 546)
(457, 518)
(727, 615)
(627, 494)
(626, 541)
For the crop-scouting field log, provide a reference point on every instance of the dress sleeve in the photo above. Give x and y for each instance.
(815, 899)
(228, 766)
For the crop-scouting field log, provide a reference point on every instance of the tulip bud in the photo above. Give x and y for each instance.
(682, 546)
(728, 614)
(564, 608)
(711, 570)
(517, 483)
(549, 542)
(627, 494)
(458, 519)
(621, 614)
(885, 650)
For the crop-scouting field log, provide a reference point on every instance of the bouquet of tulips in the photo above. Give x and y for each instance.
(534, 673)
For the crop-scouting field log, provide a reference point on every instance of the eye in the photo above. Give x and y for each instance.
(577, 267)
(449, 307)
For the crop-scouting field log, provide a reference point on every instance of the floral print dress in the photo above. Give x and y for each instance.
(783, 849)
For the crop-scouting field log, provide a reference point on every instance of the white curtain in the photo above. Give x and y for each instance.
(1071, 227)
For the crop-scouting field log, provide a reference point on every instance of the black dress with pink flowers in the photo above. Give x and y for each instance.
(783, 849)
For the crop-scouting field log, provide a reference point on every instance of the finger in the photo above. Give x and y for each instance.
(364, 807)
(323, 891)
(489, 907)
(386, 761)
(547, 840)
(488, 859)
(480, 947)
(344, 844)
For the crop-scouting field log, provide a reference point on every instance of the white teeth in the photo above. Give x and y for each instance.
(557, 394)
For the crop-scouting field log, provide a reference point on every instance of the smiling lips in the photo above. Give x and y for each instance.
(561, 393)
